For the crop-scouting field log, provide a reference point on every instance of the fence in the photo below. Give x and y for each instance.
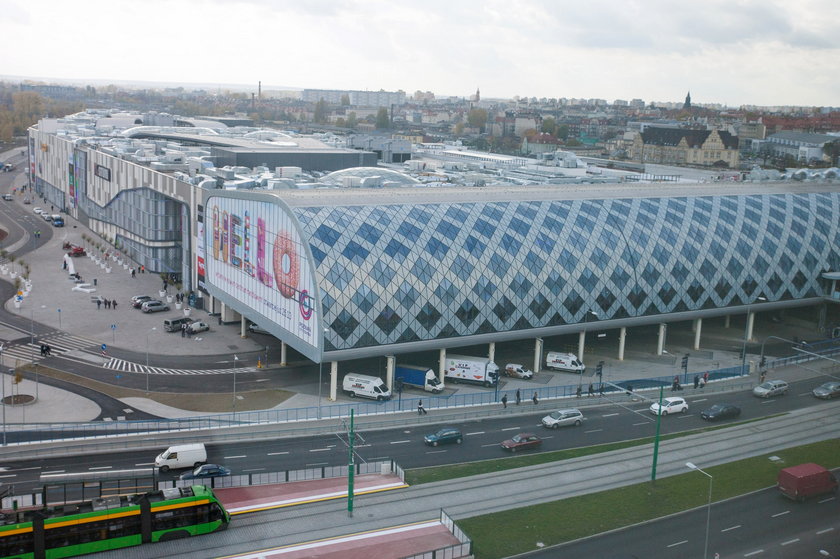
(463, 549)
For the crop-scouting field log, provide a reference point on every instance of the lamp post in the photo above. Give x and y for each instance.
(747, 335)
(582, 342)
(235, 360)
(320, 372)
(147, 357)
(708, 508)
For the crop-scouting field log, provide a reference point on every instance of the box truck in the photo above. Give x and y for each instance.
(181, 456)
(418, 377)
(564, 362)
(479, 370)
(365, 386)
(806, 480)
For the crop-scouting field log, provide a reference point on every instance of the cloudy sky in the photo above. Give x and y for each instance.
(762, 52)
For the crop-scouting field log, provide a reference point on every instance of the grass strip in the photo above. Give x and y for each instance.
(432, 474)
(516, 531)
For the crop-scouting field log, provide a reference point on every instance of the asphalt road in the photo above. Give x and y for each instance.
(608, 421)
(764, 525)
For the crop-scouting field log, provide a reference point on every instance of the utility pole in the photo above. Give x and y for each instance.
(656, 439)
(351, 466)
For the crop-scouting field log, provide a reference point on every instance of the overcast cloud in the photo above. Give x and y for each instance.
(762, 52)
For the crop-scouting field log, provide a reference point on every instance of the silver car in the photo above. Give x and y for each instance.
(154, 306)
(561, 418)
(828, 390)
(770, 388)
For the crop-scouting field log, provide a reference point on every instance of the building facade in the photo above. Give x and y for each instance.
(680, 146)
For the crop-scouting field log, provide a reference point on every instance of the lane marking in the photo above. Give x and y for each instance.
(790, 541)
(254, 470)
(511, 429)
(487, 445)
(232, 457)
(276, 453)
(101, 468)
(731, 528)
(609, 415)
(320, 449)
(643, 423)
(399, 442)
(700, 400)
(827, 530)
(145, 464)
(9, 475)
(318, 464)
(678, 543)
(826, 500)
(475, 433)
(54, 472)
(779, 514)
(751, 553)
(435, 451)
(594, 431)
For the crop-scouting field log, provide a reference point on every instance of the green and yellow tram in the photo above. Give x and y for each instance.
(111, 523)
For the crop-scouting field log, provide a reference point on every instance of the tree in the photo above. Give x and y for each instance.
(832, 150)
(382, 120)
(320, 115)
(458, 129)
(563, 131)
(549, 126)
(351, 120)
(345, 99)
(477, 118)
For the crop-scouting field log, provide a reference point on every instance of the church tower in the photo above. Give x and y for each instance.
(687, 104)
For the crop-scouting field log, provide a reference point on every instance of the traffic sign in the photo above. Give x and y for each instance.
(104, 347)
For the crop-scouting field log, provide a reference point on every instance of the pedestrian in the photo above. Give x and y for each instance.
(675, 384)
(133, 273)
(504, 401)
(535, 399)
(591, 390)
(696, 381)
(630, 390)
(762, 376)
(142, 269)
(518, 397)
(63, 264)
(420, 409)
(706, 377)
(578, 391)
(107, 303)
(48, 350)
(43, 350)
(184, 330)
(114, 304)
(98, 303)
(601, 389)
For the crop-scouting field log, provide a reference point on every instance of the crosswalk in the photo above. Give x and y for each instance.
(60, 343)
(124, 366)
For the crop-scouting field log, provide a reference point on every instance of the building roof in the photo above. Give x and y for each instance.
(654, 135)
(803, 137)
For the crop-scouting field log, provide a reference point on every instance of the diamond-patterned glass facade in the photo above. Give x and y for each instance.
(406, 273)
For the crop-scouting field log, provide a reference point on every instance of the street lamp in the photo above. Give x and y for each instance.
(147, 357)
(761, 355)
(235, 360)
(747, 335)
(320, 371)
(708, 509)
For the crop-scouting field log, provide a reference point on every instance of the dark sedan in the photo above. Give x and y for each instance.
(720, 411)
(522, 441)
(205, 471)
(444, 435)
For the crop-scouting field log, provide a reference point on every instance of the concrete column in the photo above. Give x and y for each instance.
(282, 354)
(698, 326)
(621, 337)
(726, 322)
(389, 371)
(243, 328)
(750, 321)
(491, 352)
(694, 325)
(660, 342)
(442, 365)
(581, 344)
(333, 379)
(538, 348)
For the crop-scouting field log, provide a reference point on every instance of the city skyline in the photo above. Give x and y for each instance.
(743, 53)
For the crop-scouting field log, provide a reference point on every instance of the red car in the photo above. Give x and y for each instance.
(522, 441)
(76, 251)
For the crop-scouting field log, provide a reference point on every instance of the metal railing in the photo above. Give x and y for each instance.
(462, 549)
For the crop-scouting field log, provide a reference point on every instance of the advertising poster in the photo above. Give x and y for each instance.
(253, 253)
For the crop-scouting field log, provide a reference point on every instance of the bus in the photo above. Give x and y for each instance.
(110, 523)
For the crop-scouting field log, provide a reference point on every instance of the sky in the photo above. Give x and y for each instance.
(732, 52)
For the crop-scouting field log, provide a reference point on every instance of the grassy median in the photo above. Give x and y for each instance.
(519, 530)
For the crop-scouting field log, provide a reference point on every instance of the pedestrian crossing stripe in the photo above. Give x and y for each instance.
(124, 366)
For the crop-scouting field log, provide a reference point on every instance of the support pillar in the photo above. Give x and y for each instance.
(282, 354)
(333, 380)
(538, 348)
(660, 342)
(581, 345)
(750, 321)
(243, 327)
(726, 322)
(442, 365)
(491, 352)
(622, 335)
(389, 372)
(698, 326)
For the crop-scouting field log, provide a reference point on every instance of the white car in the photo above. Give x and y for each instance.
(560, 418)
(669, 405)
(198, 326)
(37, 210)
(770, 388)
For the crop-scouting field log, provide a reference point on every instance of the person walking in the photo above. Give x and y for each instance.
(535, 399)
(696, 381)
(47, 350)
(591, 390)
(706, 377)
(701, 382)
(420, 409)
(98, 303)
(518, 397)
(142, 269)
(114, 304)
(579, 391)
(107, 303)
(504, 401)
(675, 384)
(184, 330)
(133, 273)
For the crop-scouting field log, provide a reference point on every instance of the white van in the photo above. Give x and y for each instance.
(365, 386)
(564, 362)
(181, 456)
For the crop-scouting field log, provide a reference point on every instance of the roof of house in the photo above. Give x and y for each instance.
(654, 135)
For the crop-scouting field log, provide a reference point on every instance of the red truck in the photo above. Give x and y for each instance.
(806, 480)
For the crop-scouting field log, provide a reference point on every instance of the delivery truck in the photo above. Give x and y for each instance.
(806, 480)
(479, 370)
(365, 386)
(564, 362)
(418, 377)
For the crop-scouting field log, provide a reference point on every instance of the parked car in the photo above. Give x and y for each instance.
(198, 326)
(720, 411)
(154, 306)
(138, 300)
(76, 251)
(27, 200)
(522, 441)
(828, 390)
(669, 405)
(516, 370)
(561, 418)
(8, 197)
(37, 210)
(444, 435)
(257, 330)
(770, 388)
(206, 471)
